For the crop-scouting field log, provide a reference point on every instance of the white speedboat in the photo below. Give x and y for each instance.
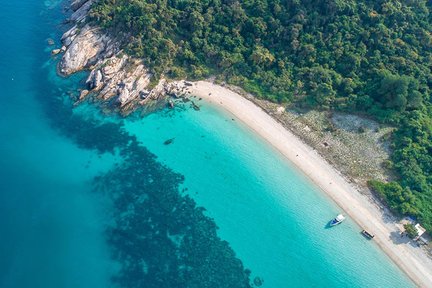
(337, 220)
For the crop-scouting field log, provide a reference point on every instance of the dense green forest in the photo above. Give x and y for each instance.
(372, 57)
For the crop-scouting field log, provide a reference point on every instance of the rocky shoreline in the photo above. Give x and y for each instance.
(114, 76)
(124, 82)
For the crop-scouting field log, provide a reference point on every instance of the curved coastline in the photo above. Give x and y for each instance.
(415, 264)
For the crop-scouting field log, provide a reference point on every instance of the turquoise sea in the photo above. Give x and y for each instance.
(90, 200)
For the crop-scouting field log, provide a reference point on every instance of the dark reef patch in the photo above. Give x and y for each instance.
(161, 237)
(158, 235)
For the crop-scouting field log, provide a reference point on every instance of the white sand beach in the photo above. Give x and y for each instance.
(411, 260)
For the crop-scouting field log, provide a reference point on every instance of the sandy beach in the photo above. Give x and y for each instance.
(411, 260)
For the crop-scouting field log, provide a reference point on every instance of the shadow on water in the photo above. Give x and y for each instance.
(328, 226)
(158, 235)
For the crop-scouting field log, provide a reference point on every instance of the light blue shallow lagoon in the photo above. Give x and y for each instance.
(89, 200)
(271, 214)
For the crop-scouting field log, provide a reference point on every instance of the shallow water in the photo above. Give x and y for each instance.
(83, 205)
(272, 215)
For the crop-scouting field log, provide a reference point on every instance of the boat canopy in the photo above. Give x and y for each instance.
(340, 217)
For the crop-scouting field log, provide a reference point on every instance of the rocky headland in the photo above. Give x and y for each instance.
(355, 146)
(114, 76)
(125, 83)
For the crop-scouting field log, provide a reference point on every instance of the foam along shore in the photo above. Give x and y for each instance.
(413, 262)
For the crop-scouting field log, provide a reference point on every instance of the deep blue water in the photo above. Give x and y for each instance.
(50, 224)
(88, 200)
(81, 203)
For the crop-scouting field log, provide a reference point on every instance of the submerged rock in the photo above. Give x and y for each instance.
(258, 281)
(195, 106)
(83, 94)
(170, 104)
(169, 141)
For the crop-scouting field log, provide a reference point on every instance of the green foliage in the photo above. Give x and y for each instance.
(398, 198)
(393, 91)
(362, 56)
(411, 230)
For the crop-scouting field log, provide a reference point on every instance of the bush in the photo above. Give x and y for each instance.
(320, 54)
(411, 230)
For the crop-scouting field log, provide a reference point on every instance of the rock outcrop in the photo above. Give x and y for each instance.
(76, 4)
(55, 51)
(81, 11)
(113, 75)
(121, 77)
(85, 47)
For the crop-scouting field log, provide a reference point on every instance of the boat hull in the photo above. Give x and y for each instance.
(334, 223)
(337, 220)
(367, 235)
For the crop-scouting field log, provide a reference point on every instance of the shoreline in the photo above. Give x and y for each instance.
(80, 47)
(415, 265)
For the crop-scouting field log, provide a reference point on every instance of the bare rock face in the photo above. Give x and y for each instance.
(85, 45)
(81, 13)
(113, 75)
(177, 88)
(76, 4)
(69, 36)
(133, 83)
(94, 80)
(121, 77)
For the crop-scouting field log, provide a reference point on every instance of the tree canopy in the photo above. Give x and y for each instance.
(362, 56)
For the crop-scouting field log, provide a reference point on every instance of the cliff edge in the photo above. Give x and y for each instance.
(114, 76)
